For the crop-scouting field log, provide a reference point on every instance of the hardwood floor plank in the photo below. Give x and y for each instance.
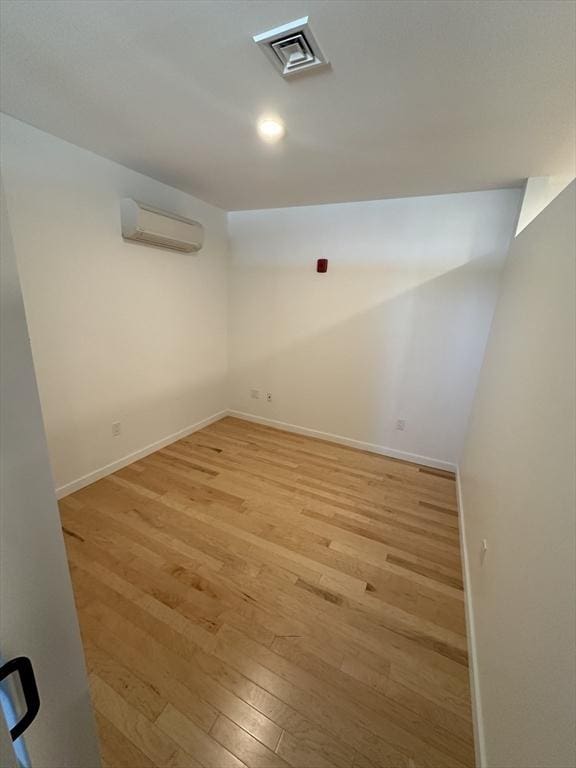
(243, 745)
(194, 741)
(298, 753)
(304, 730)
(143, 696)
(312, 707)
(202, 698)
(250, 597)
(360, 714)
(143, 734)
(117, 751)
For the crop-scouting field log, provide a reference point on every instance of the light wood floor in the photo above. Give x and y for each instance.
(250, 597)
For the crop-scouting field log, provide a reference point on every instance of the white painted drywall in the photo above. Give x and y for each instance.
(119, 331)
(421, 98)
(396, 329)
(538, 193)
(518, 491)
(37, 616)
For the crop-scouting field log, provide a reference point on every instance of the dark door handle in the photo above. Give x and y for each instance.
(23, 666)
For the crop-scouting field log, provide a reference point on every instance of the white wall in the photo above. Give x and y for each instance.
(37, 616)
(119, 331)
(539, 192)
(396, 329)
(518, 492)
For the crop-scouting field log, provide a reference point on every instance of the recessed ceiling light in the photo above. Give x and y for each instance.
(270, 129)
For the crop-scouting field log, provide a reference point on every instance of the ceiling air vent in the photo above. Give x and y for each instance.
(292, 47)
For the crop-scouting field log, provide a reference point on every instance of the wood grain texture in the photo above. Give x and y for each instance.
(252, 597)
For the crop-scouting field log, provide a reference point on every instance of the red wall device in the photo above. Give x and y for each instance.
(322, 265)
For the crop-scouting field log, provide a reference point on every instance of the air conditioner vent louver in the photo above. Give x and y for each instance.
(142, 223)
(292, 47)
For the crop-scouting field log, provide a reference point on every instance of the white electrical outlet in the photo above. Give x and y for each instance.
(255, 394)
(269, 397)
(401, 425)
(116, 429)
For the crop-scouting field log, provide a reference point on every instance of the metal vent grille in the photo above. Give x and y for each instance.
(292, 48)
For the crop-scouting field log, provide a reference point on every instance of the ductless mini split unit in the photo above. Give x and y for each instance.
(143, 224)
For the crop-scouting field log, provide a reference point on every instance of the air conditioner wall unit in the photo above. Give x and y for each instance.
(144, 224)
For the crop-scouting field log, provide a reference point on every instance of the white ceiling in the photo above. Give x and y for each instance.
(423, 97)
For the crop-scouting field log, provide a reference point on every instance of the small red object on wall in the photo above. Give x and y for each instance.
(322, 265)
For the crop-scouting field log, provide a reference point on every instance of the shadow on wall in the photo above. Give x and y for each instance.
(414, 356)
(85, 445)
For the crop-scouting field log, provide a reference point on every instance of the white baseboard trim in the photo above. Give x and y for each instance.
(477, 719)
(108, 469)
(91, 477)
(350, 442)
